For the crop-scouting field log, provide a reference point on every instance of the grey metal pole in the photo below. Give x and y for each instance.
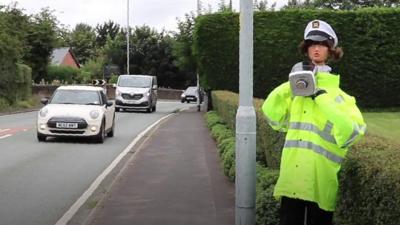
(127, 38)
(197, 73)
(245, 123)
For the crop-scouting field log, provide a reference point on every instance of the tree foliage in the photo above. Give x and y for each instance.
(105, 30)
(83, 41)
(182, 48)
(31, 39)
(41, 39)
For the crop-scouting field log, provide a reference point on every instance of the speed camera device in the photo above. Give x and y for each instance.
(302, 79)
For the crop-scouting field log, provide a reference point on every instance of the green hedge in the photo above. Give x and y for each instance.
(269, 142)
(62, 73)
(370, 184)
(266, 206)
(369, 179)
(23, 80)
(15, 84)
(369, 38)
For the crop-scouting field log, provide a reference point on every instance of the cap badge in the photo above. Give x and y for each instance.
(315, 24)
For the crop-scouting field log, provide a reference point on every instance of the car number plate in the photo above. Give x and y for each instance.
(67, 125)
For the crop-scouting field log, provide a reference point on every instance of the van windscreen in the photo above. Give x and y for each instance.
(134, 81)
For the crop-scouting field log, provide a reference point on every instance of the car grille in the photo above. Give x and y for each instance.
(67, 131)
(191, 96)
(82, 124)
(132, 97)
(143, 104)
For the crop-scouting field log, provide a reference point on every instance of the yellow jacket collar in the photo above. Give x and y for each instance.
(325, 79)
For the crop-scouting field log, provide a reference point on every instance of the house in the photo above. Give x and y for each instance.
(64, 57)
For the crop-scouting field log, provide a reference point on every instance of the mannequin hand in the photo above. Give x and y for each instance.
(317, 93)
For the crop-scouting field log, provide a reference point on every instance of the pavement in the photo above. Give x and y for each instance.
(174, 178)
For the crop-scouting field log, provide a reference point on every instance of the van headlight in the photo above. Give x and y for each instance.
(43, 112)
(94, 114)
(148, 94)
(117, 93)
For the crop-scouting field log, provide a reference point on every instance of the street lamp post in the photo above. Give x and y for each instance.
(127, 37)
(197, 72)
(245, 181)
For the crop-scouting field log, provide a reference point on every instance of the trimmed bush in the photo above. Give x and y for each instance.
(266, 206)
(62, 73)
(225, 142)
(370, 184)
(23, 80)
(369, 67)
(269, 142)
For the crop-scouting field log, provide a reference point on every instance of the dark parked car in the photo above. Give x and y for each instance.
(191, 94)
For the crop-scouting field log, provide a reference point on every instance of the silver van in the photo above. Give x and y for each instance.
(136, 92)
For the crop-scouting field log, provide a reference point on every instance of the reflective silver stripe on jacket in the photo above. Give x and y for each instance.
(277, 124)
(315, 148)
(357, 130)
(324, 134)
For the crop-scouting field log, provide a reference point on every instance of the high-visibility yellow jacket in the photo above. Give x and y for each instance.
(319, 132)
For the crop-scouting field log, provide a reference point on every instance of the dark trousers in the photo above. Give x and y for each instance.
(300, 212)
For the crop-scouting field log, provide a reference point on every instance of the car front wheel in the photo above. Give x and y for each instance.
(111, 132)
(99, 138)
(41, 137)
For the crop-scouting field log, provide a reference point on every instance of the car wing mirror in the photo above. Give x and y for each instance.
(44, 100)
(109, 103)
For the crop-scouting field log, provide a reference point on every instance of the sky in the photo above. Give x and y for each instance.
(158, 14)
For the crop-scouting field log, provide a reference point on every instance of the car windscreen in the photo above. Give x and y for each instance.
(191, 91)
(80, 97)
(132, 81)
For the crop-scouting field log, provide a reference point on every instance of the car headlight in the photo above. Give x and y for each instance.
(43, 112)
(183, 95)
(117, 93)
(148, 94)
(94, 114)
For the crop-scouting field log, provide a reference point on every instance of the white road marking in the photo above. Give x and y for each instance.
(5, 136)
(4, 130)
(84, 197)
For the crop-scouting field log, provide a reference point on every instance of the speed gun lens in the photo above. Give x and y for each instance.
(301, 84)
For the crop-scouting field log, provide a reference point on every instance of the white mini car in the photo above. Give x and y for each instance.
(82, 111)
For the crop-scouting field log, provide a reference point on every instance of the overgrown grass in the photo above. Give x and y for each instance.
(383, 124)
(32, 103)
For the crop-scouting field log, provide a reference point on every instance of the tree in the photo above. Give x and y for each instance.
(106, 29)
(41, 39)
(63, 36)
(10, 53)
(114, 51)
(223, 7)
(15, 24)
(83, 41)
(182, 48)
(262, 5)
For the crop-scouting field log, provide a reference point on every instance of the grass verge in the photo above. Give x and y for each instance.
(383, 124)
